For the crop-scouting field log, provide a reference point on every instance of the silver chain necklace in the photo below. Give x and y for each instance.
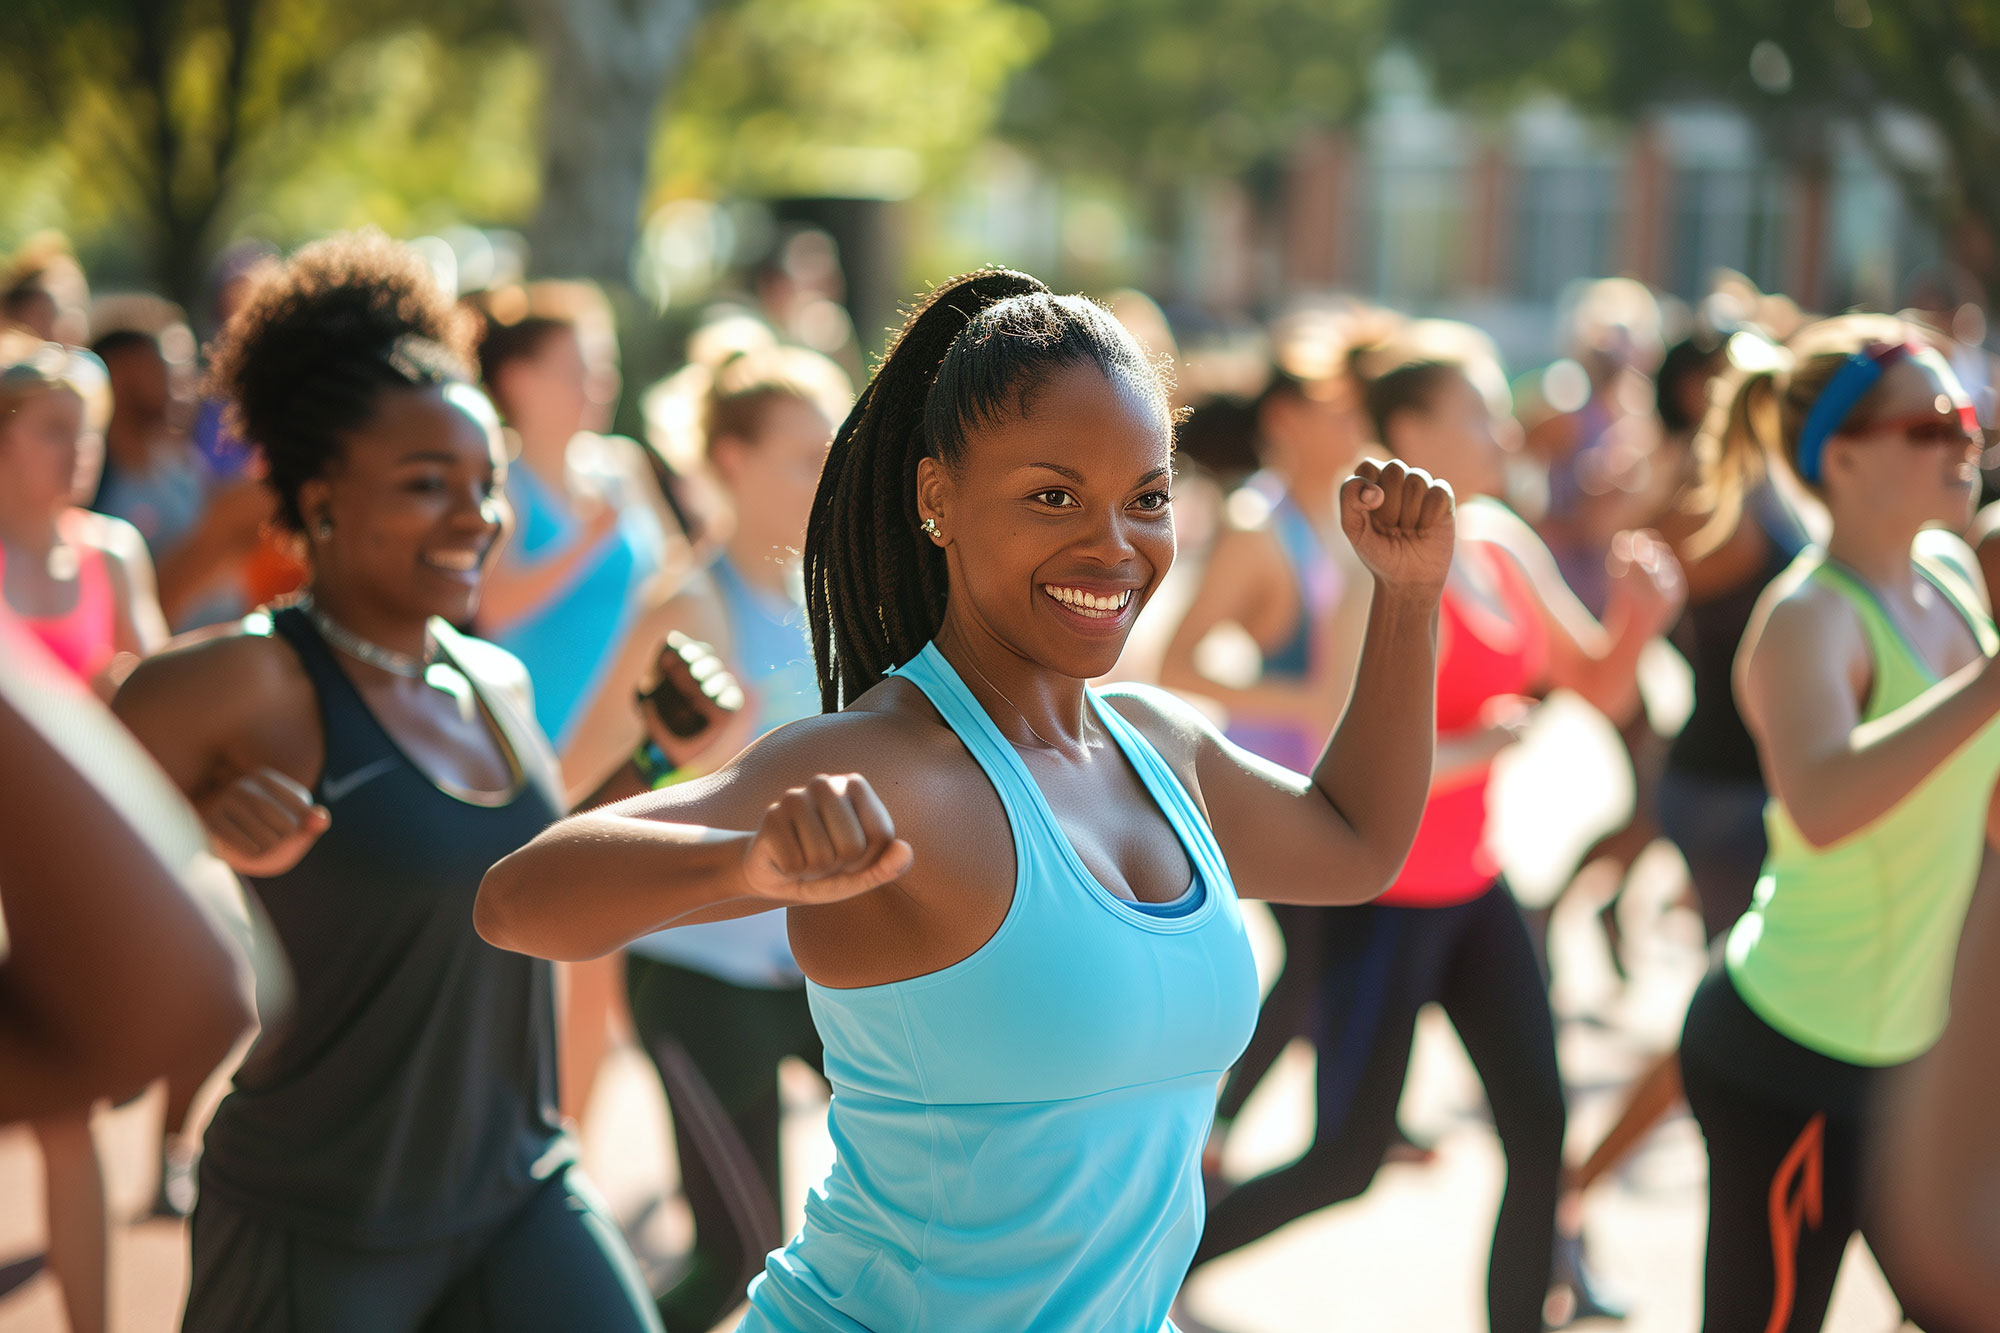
(374, 654)
(1017, 712)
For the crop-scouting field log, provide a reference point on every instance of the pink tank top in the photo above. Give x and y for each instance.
(84, 638)
(1481, 657)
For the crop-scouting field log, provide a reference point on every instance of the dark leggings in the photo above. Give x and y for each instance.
(1788, 1136)
(717, 1047)
(1380, 966)
(559, 1263)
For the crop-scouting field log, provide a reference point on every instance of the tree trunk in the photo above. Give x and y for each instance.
(606, 64)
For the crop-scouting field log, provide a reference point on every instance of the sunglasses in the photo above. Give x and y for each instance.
(1928, 428)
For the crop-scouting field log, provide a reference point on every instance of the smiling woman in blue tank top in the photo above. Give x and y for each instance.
(1014, 897)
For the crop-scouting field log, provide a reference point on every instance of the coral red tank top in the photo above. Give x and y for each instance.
(1482, 656)
(83, 638)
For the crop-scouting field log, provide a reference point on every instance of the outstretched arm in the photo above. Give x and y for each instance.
(1341, 834)
(772, 829)
(1599, 661)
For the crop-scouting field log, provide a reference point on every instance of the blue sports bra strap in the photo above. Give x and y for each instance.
(940, 682)
(1295, 534)
(1168, 792)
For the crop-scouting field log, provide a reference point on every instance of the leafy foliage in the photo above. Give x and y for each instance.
(1159, 90)
(836, 97)
(173, 119)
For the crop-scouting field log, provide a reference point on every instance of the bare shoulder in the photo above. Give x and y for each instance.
(891, 736)
(1947, 549)
(1985, 525)
(1177, 729)
(119, 540)
(234, 695)
(1799, 619)
(1247, 535)
(243, 664)
(1489, 521)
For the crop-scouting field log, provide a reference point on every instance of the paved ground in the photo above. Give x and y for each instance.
(1408, 1256)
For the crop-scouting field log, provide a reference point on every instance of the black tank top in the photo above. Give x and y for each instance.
(1715, 743)
(409, 1092)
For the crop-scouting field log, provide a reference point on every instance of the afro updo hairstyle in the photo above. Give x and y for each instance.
(304, 360)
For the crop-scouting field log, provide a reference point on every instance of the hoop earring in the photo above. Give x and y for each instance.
(930, 526)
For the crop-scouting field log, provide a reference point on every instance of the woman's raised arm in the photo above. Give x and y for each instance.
(1341, 836)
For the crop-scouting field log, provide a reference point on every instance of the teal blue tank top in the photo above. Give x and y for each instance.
(1018, 1136)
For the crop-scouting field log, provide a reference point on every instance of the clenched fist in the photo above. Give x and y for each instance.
(1647, 585)
(1399, 521)
(261, 823)
(828, 840)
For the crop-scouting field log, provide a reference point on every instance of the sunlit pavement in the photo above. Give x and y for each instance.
(1409, 1255)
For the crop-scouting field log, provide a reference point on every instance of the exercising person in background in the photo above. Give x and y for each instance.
(1277, 571)
(1019, 855)
(719, 1006)
(1733, 540)
(1449, 930)
(1866, 677)
(201, 529)
(389, 1156)
(578, 592)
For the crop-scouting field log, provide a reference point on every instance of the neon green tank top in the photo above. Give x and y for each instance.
(1848, 949)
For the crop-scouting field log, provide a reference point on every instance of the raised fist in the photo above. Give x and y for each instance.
(692, 700)
(1646, 581)
(1399, 521)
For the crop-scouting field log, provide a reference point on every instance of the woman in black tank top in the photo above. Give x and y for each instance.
(389, 1157)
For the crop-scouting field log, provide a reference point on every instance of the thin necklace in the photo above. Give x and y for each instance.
(374, 654)
(1017, 712)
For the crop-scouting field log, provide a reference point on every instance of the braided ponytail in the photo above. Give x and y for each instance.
(975, 348)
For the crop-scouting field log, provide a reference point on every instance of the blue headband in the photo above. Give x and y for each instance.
(1849, 385)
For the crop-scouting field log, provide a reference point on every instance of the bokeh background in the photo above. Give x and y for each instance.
(1226, 156)
(818, 162)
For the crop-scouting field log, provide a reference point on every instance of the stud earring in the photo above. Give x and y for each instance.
(325, 529)
(930, 526)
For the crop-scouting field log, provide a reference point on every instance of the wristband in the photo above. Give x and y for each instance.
(655, 769)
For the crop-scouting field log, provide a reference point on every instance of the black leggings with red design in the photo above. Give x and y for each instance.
(1788, 1135)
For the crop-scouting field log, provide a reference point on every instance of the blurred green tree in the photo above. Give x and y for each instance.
(167, 124)
(177, 118)
(1791, 64)
(865, 98)
(1156, 91)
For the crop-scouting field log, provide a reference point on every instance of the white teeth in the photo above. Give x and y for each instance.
(458, 561)
(1084, 601)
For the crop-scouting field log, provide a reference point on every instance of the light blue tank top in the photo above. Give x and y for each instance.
(1018, 1136)
(568, 643)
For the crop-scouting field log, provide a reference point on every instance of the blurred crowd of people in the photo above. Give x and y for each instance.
(362, 565)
